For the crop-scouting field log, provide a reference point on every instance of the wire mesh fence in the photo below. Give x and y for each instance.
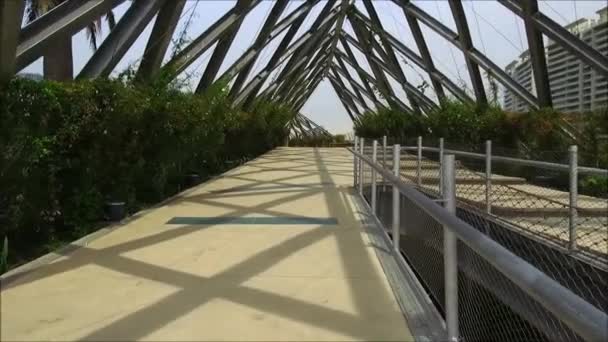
(531, 220)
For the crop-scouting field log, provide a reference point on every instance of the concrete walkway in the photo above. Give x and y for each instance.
(272, 250)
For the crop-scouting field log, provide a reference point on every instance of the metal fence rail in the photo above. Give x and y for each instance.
(484, 290)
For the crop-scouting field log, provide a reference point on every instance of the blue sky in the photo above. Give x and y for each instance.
(495, 31)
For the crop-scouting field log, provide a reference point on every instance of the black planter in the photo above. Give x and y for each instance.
(191, 180)
(115, 211)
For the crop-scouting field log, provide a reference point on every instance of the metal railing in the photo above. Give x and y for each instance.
(561, 216)
(468, 257)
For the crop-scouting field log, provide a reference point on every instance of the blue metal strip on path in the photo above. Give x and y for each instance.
(253, 220)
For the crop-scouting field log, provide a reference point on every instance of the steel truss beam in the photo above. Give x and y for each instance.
(466, 44)
(395, 100)
(158, 43)
(303, 52)
(11, 14)
(205, 40)
(352, 97)
(476, 56)
(250, 91)
(265, 36)
(562, 36)
(343, 100)
(368, 88)
(349, 96)
(434, 74)
(246, 61)
(253, 87)
(322, 56)
(340, 66)
(365, 37)
(422, 99)
(222, 47)
(537, 55)
(389, 59)
(355, 84)
(61, 22)
(120, 39)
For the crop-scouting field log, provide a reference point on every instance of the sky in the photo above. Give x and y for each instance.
(495, 31)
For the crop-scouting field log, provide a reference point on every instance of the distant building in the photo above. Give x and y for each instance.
(575, 87)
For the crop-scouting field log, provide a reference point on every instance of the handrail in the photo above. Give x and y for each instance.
(525, 162)
(585, 319)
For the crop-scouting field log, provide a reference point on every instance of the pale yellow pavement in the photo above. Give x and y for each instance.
(148, 280)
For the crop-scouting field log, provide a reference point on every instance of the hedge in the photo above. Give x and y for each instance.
(67, 148)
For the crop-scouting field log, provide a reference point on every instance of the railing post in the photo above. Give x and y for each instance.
(489, 176)
(361, 143)
(419, 162)
(396, 196)
(355, 163)
(374, 159)
(450, 255)
(383, 161)
(440, 165)
(572, 212)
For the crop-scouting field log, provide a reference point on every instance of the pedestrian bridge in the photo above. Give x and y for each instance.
(276, 249)
(285, 248)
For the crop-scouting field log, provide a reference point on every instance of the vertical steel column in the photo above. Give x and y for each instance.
(355, 164)
(383, 161)
(572, 212)
(374, 159)
(158, 43)
(11, 15)
(537, 54)
(441, 166)
(396, 198)
(222, 47)
(450, 253)
(464, 36)
(489, 176)
(361, 144)
(419, 161)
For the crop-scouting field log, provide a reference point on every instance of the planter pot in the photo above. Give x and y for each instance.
(115, 211)
(192, 179)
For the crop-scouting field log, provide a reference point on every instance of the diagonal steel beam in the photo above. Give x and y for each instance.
(369, 90)
(389, 54)
(263, 38)
(340, 66)
(245, 61)
(342, 99)
(222, 47)
(351, 98)
(120, 39)
(479, 58)
(62, 21)
(460, 19)
(323, 55)
(356, 85)
(158, 43)
(364, 37)
(313, 34)
(396, 101)
(537, 55)
(435, 74)
(422, 99)
(562, 36)
(11, 14)
(250, 91)
(205, 40)
(425, 54)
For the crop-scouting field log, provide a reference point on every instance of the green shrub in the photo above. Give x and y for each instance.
(66, 148)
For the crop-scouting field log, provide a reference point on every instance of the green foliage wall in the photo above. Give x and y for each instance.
(67, 148)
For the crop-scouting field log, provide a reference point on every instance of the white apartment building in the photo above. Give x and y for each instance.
(575, 87)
